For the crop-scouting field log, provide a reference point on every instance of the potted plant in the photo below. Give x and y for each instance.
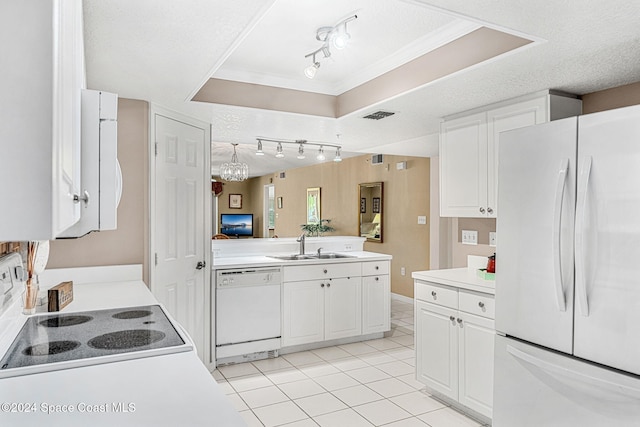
(318, 229)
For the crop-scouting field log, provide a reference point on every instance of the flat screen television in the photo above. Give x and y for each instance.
(236, 225)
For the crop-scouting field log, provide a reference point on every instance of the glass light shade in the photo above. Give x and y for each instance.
(300, 152)
(338, 157)
(311, 70)
(279, 153)
(320, 155)
(234, 170)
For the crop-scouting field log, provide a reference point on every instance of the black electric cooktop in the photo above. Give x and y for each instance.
(92, 337)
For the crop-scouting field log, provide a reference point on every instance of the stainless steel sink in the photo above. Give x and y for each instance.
(331, 256)
(293, 257)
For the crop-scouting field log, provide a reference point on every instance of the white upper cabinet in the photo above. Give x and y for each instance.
(40, 117)
(469, 150)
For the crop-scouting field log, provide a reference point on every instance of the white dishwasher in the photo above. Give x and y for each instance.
(248, 312)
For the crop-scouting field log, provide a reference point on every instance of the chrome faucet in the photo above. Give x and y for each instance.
(319, 254)
(301, 240)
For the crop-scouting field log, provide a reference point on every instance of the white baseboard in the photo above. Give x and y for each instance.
(402, 298)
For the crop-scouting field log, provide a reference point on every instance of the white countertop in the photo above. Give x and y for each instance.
(463, 278)
(167, 390)
(263, 261)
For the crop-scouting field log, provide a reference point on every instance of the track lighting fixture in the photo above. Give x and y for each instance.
(336, 36)
(301, 143)
(259, 151)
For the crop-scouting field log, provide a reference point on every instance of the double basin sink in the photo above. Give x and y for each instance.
(294, 257)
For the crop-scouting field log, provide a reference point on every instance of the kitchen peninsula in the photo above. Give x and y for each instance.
(284, 295)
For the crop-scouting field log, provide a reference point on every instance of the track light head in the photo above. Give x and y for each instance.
(259, 152)
(311, 70)
(320, 155)
(279, 153)
(301, 152)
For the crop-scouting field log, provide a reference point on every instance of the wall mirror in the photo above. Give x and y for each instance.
(370, 219)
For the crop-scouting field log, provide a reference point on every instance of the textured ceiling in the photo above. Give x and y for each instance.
(163, 51)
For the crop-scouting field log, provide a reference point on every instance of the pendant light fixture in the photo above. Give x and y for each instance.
(235, 170)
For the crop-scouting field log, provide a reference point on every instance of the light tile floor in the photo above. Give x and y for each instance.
(369, 383)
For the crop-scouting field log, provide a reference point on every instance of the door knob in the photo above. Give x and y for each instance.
(200, 265)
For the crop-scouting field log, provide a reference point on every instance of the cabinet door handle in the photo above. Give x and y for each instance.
(377, 278)
(481, 209)
(433, 294)
(328, 285)
(453, 319)
(84, 198)
(489, 210)
(459, 320)
(322, 285)
(377, 268)
(324, 271)
(481, 304)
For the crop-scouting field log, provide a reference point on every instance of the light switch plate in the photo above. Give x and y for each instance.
(469, 237)
(422, 219)
(492, 238)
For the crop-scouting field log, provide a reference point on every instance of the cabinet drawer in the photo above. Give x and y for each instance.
(374, 268)
(436, 294)
(296, 273)
(477, 303)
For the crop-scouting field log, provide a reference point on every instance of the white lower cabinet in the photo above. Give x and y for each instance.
(455, 335)
(322, 308)
(324, 302)
(376, 297)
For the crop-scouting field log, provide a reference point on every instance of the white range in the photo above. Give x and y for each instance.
(149, 390)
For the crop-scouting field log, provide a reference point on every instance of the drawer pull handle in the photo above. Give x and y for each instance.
(377, 268)
(325, 271)
(452, 318)
(433, 294)
(481, 304)
(377, 278)
(328, 285)
(322, 285)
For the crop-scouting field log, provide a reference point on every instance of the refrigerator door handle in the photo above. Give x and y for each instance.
(557, 222)
(581, 279)
(570, 374)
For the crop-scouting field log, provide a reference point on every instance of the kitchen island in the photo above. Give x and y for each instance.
(164, 390)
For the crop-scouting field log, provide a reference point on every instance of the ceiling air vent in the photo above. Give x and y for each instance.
(378, 115)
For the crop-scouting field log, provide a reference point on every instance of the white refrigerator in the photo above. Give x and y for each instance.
(567, 351)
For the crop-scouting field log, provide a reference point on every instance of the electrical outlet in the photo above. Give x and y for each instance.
(403, 271)
(492, 238)
(347, 247)
(422, 219)
(469, 237)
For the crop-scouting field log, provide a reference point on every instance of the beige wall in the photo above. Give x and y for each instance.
(127, 244)
(621, 96)
(406, 195)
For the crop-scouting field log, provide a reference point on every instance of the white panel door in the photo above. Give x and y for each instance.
(303, 312)
(437, 348)
(476, 340)
(534, 263)
(375, 304)
(343, 307)
(608, 239)
(68, 78)
(503, 119)
(180, 235)
(463, 167)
